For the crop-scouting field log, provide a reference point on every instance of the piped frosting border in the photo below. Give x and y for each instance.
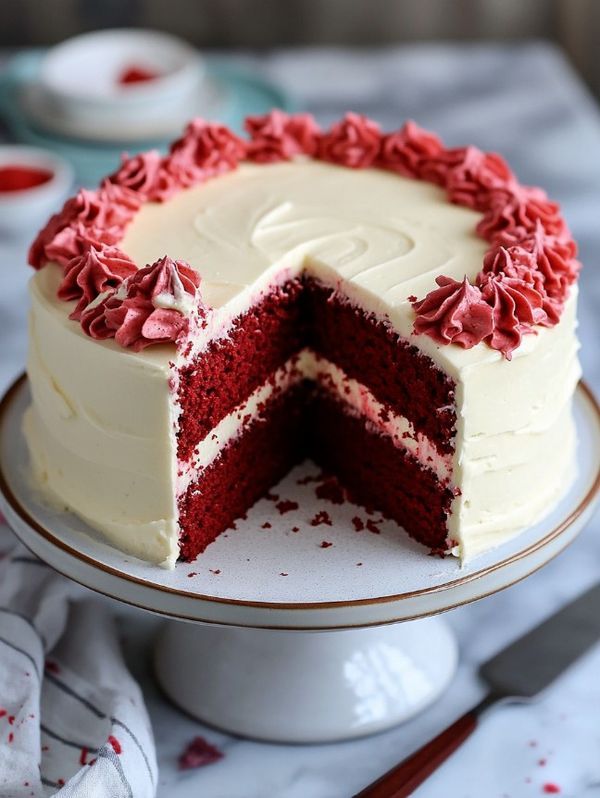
(524, 281)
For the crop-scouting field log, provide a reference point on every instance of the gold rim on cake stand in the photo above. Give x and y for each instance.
(577, 513)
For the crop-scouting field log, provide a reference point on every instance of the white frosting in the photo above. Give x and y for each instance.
(104, 416)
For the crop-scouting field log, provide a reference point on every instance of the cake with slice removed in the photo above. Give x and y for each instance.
(400, 312)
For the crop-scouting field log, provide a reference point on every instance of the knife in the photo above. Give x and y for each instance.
(519, 672)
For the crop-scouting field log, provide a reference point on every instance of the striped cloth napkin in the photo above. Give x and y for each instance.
(72, 720)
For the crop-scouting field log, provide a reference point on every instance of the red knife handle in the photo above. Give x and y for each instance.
(402, 780)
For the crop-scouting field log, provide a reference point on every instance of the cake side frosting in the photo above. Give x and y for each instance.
(100, 428)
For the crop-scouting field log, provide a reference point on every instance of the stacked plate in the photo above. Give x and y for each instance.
(119, 86)
(92, 97)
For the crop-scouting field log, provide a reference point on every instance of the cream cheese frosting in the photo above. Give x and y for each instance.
(379, 238)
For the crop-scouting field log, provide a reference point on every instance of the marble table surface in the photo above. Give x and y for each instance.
(525, 102)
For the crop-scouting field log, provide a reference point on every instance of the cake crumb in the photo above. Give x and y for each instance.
(198, 753)
(192, 573)
(283, 574)
(542, 762)
(266, 525)
(550, 788)
(330, 490)
(215, 571)
(325, 544)
(358, 523)
(372, 526)
(358, 563)
(295, 529)
(272, 497)
(286, 505)
(310, 478)
(322, 517)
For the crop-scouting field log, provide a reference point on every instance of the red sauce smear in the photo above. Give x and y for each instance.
(116, 745)
(198, 753)
(136, 74)
(16, 177)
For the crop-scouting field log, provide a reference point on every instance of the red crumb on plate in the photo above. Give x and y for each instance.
(266, 525)
(358, 523)
(330, 490)
(215, 571)
(550, 788)
(286, 505)
(322, 517)
(372, 526)
(198, 753)
(308, 479)
(283, 574)
(51, 666)
(325, 544)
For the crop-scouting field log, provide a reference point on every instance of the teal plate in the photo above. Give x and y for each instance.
(238, 93)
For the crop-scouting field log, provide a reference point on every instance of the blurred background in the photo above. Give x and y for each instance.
(573, 24)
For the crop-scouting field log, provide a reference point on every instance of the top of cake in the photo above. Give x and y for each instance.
(444, 242)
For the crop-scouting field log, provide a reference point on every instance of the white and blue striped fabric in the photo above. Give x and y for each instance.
(72, 719)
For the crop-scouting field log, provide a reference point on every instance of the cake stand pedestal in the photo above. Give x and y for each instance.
(291, 630)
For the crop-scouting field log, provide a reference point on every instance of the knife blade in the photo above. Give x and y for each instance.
(520, 672)
(535, 660)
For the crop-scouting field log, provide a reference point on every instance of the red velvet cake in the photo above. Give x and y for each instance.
(400, 312)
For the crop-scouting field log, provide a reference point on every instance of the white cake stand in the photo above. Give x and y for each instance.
(250, 662)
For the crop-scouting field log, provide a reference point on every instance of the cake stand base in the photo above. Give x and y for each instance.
(305, 687)
(293, 632)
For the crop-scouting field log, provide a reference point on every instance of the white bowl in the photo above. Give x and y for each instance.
(27, 209)
(79, 80)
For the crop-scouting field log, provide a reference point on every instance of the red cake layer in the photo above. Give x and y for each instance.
(229, 370)
(307, 422)
(395, 372)
(378, 474)
(305, 313)
(245, 470)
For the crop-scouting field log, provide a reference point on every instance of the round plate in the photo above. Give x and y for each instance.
(301, 568)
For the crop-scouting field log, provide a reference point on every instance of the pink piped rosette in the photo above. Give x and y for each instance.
(524, 281)
(146, 308)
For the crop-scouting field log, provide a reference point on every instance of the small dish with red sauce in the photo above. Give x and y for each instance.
(120, 85)
(33, 184)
